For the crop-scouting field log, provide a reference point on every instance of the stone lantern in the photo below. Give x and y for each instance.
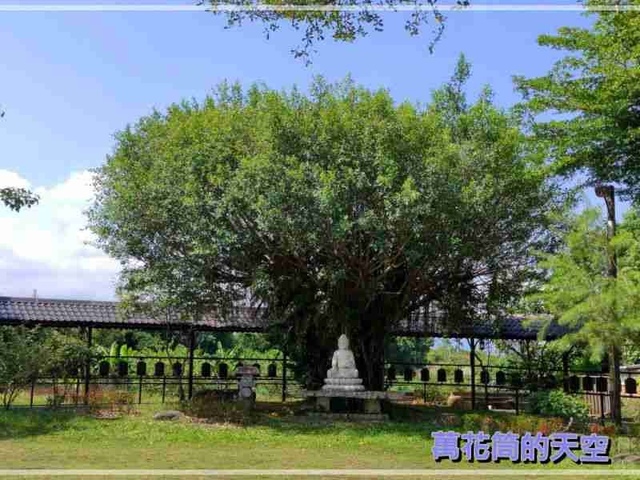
(246, 385)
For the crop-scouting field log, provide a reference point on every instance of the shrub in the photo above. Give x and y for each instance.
(479, 421)
(608, 429)
(435, 395)
(558, 404)
(219, 406)
(29, 353)
(631, 409)
(56, 399)
(116, 401)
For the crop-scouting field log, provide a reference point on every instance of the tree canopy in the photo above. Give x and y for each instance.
(596, 91)
(344, 22)
(339, 210)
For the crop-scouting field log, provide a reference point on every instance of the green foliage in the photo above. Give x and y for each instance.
(631, 351)
(215, 406)
(435, 394)
(208, 342)
(340, 211)
(112, 400)
(251, 344)
(537, 362)
(449, 351)
(137, 340)
(408, 350)
(342, 25)
(17, 198)
(19, 361)
(28, 353)
(113, 354)
(125, 351)
(631, 410)
(595, 88)
(601, 311)
(558, 404)
(64, 354)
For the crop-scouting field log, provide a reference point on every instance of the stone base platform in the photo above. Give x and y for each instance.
(350, 417)
(343, 384)
(343, 381)
(371, 400)
(366, 394)
(343, 388)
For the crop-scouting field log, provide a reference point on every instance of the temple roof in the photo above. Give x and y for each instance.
(100, 314)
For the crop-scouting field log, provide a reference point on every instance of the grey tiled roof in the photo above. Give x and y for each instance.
(76, 313)
(511, 327)
(69, 313)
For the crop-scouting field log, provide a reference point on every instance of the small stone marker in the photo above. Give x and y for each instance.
(169, 415)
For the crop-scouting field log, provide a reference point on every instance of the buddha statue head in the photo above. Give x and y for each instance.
(343, 342)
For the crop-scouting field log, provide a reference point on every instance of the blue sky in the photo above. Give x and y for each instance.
(69, 81)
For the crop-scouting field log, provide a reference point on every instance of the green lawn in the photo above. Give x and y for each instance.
(41, 439)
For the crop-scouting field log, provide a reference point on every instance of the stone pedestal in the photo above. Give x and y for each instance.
(350, 417)
(371, 405)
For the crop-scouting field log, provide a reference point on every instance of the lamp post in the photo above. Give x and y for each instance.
(607, 192)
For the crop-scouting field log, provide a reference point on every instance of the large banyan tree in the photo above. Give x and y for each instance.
(338, 210)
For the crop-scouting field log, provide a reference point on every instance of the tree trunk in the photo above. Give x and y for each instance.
(607, 192)
(311, 353)
(318, 361)
(615, 384)
(370, 357)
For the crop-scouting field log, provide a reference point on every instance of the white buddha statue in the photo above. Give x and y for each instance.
(343, 363)
(343, 374)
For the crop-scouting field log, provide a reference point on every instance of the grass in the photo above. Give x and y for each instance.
(57, 439)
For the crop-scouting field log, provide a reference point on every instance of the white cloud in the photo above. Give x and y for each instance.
(45, 247)
(12, 179)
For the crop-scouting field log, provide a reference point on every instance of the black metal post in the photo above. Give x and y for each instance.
(33, 387)
(486, 395)
(472, 360)
(164, 387)
(284, 374)
(87, 367)
(565, 372)
(192, 347)
(139, 389)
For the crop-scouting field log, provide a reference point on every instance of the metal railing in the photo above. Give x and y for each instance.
(158, 379)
